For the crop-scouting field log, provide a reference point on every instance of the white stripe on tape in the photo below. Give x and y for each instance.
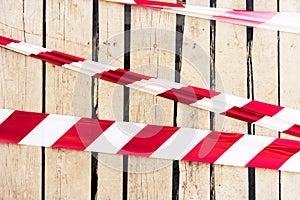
(284, 21)
(288, 114)
(49, 130)
(244, 150)
(4, 114)
(17, 47)
(152, 86)
(273, 123)
(179, 144)
(211, 105)
(115, 137)
(95, 67)
(231, 100)
(292, 164)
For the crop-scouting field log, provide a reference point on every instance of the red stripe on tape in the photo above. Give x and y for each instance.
(6, 41)
(294, 130)
(121, 76)
(212, 147)
(49, 58)
(18, 125)
(188, 95)
(274, 155)
(243, 114)
(158, 3)
(200, 92)
(57, 58)
(174, 95)
(66, 56)
(264, 108)
(148, 140)
(82, 134)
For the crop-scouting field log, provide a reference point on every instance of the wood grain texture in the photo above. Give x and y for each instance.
(21, 88)
(152, 53)
(289, 90)
(109, 96)
(265, 77)
(231, 77)
(195, 177)
(69, 29)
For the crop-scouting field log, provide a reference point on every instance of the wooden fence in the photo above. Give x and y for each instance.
(259, 64)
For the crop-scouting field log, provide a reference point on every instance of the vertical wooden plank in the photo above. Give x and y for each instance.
(21, 88)
(195, 177)
(231, 182)
(152, 53)
(289, 90)
(110, 96)
(69, 28)
(265, 81)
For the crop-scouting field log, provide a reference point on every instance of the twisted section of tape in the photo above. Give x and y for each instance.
(59, 131)
(280, 21)
(274, 117)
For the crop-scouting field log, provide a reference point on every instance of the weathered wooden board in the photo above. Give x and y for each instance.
(264, 54)
(109, 97)
(274, 72)
(231, 77)
(69, 28)
(152, 53)
(21, 88)
(289, 90)
(195, 177)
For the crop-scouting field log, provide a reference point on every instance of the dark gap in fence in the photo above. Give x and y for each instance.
(212, 85)
(23, 20)
(250, 95)
(127, 41)
(278, 89)
(178, 64)
(94, 94)
(278, 60)
(43, 196)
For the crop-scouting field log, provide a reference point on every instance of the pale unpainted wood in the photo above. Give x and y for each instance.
(231, 77)
(21, 88)
(109, 96)
(152, 53)
(265, 72)
(195, 177)
(289, 90)
(69, 29)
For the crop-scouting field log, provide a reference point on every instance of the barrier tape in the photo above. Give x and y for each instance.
(280, 21)
(105, 136)
(277, 118)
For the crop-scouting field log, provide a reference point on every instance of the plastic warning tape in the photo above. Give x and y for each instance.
(59, 131)
(281, 21)
(263, 114)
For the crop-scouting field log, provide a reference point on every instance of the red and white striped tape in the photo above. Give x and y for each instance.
(58, 131)
(263, 114)
(281, 21)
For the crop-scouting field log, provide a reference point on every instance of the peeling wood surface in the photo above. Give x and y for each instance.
(195, 177)
(68, 173)
(231, 77)
(265, 67)
(109, 96)
(21, 88)
(289, 90)
(152, 53)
